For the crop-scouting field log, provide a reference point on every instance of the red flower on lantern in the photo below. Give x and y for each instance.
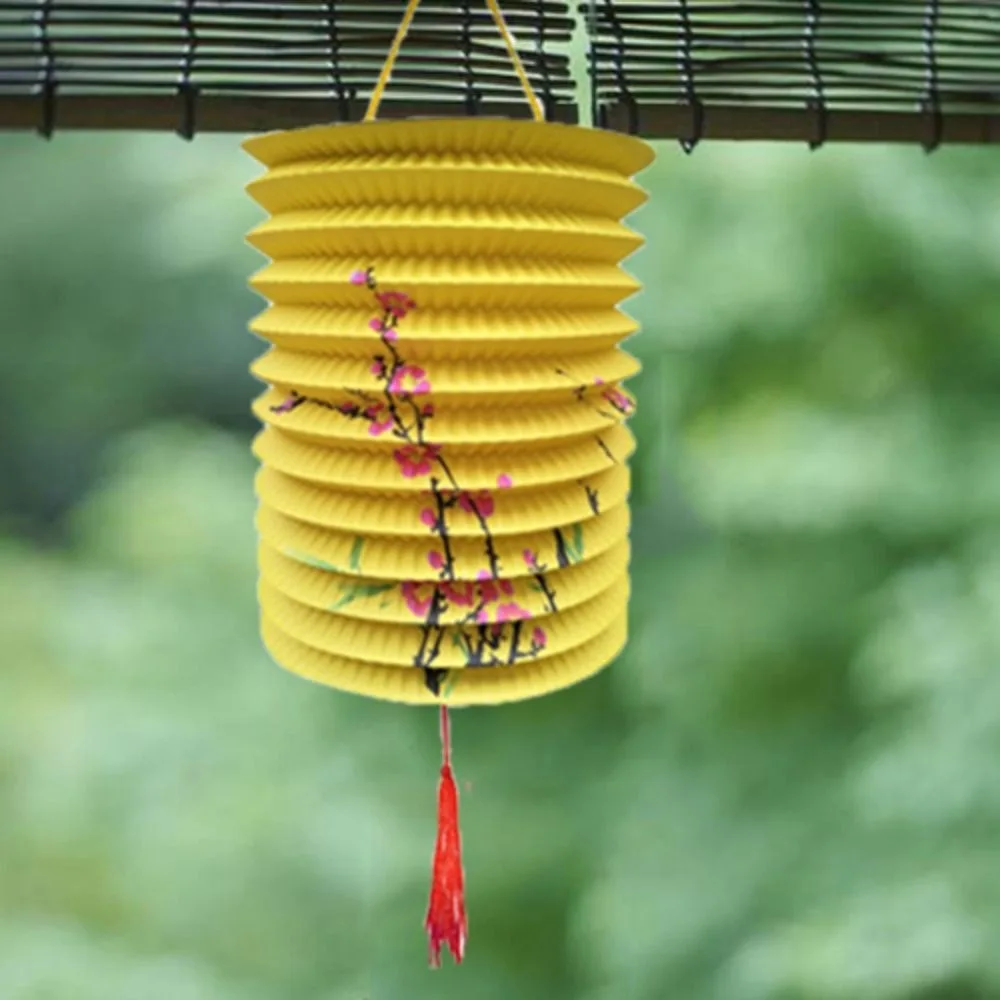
(409, 380)
(396, 304)
(416, 460)
(481, 504)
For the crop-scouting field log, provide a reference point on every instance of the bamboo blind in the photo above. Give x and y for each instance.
(924, 71)
(867, 70)
(248, 65)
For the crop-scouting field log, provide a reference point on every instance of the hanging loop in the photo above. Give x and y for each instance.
(537, 111)
(934, 133)
(48, 123)
(186, 89)
(697, 130)
(817, 103)
(189, 109)
(472, 97)
(49, 85)
(689, 143)
(931, 104)
(820, 123)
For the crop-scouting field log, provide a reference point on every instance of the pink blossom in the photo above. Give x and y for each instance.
(530, 558)
(598, 380)
(418, 599)
(483, 574)
(380, 419)
(397, 304)
(376, 324)
(359, 277)
(428, 517)
(378, 369)
(416, 460)
(481, 504)
(428, 410)
(390, 334)
(434, 559)
(539, 638)
(618, 399)
(504, 482)
(511, 612)
(379, 426)
(287, 406)
(490, 590)
(411, 380)
(482, 616)
(459, 594)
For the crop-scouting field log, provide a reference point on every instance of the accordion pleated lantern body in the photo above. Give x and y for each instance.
(443, 490)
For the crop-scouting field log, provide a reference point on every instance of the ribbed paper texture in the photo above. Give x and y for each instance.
(443, 492)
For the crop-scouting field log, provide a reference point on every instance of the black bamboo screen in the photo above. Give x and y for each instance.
(866, 70)
(923, 71)
(247, 65)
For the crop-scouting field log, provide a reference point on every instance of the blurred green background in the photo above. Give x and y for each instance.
(786, 789)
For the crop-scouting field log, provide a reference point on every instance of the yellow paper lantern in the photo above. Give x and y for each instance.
(443, 509)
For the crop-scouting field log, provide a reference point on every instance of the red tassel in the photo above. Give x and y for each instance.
(446, 922)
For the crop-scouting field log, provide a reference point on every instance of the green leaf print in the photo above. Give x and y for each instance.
(574, 548)
(356, 550)
(449, 685)
(304, 557)
(352, 591)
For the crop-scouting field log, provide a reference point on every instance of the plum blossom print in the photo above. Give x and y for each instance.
(416, 461)
(409, 380)
(498, 645)
(293, 402)
(480, 503)
(402, 409)
(610, 402)
(540, 581)
(396, 304)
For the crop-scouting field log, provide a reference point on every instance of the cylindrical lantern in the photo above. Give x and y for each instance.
(443, 509)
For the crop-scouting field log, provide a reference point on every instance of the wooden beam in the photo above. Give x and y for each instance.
(667, 121)
(168, 113)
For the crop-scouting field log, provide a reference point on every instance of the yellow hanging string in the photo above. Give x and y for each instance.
(537, 111)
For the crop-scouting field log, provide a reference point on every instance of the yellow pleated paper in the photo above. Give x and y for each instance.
(443, 492)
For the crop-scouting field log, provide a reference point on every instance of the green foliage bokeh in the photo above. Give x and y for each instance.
(784, 790)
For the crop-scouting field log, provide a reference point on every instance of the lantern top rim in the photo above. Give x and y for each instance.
(481, 135)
